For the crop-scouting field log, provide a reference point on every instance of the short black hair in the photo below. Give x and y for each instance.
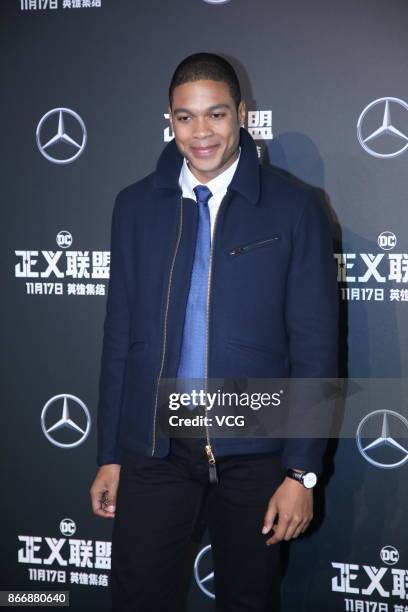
(206, 66)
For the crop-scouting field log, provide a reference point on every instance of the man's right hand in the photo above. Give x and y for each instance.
(103, 490)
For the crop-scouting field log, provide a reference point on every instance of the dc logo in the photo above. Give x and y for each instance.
(67, 527)
(389, 555)
(387, 241)
(64, 239)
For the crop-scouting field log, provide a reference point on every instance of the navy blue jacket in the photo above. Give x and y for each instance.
(273, 305)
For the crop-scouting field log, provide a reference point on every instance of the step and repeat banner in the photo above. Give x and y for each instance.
(84, 113)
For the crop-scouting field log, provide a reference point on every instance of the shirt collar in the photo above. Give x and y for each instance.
(217, 185)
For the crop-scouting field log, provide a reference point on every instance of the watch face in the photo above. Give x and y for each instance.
(309, 480)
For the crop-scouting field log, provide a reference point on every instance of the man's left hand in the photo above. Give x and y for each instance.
(294, 505)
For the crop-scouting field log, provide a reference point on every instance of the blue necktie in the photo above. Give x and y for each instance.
(192, 358)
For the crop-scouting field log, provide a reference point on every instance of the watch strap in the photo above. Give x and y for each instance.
(295, 474)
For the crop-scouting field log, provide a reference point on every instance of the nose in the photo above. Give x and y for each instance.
(202, 128)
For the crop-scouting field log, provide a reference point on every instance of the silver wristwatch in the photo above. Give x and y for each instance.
(307, 479)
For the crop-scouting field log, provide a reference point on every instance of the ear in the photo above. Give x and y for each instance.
(242, 113)
(170, 117)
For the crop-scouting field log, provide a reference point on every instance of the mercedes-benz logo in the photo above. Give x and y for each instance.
(379, 422)
(54, 147)
(390, 141)
(58, 426)
(203, 578)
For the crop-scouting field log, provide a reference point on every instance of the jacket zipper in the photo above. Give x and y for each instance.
(165, 322)
(247, 247)
(212, 467)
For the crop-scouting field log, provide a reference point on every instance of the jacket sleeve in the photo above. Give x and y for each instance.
(114, 350)
(312, 327)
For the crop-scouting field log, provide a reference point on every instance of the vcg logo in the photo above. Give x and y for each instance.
(387, 241)
(389, 555)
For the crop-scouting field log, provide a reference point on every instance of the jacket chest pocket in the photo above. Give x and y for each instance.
(258, 244)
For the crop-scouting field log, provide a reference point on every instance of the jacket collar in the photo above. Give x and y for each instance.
(245, 180)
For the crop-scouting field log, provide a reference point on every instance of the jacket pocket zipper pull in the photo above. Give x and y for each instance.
(212, 468)
(237, 251)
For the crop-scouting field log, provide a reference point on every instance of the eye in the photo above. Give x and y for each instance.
(183, 118)
(218, 115)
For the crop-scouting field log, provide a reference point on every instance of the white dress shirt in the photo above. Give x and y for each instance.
(217, 186)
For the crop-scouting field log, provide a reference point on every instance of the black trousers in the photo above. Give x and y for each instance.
(157, 506)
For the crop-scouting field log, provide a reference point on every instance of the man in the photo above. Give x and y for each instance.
(220, 268)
